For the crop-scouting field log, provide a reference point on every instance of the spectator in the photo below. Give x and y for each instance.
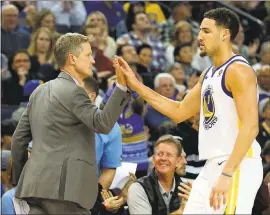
(5, 74)
(264, 128)
(8, 127)
(106, 43)
(153, 11)
(109, 202)
(7, 198)
(47, 5)
(5, 156)
(103, 64)
(20, 70)
(30, 19)
(42, 46)
(45, 18)
(177, 71)
(139, 28)
(69, 15)
(188, 132)
(193, 79)
(264, 56)
(157, 193)
(111, 9)
(263, 76)
(181, 11)
(182, 34)
(129, 54)
(145, 55)
(164, 84)
(266, 155)
(108, 146)
(12, 39)
(247, 52)
(29, 88)
(183, 54)
(135, 7)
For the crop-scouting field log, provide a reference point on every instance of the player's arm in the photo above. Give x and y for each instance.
(177, 111)
(241, 81)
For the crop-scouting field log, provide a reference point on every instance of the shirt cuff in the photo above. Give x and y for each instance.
(121, 87)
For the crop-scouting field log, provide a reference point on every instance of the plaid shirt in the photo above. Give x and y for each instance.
(166, 30)
(159, 60)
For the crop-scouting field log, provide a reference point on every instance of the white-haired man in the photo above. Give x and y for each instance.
(164, 84)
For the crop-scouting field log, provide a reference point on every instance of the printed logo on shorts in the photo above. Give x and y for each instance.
(208, 108)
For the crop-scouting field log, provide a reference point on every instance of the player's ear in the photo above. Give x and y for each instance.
(226, 35)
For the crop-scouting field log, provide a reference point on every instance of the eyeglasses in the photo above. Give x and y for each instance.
(21, 61)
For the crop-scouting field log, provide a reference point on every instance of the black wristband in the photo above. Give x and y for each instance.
(226, 175)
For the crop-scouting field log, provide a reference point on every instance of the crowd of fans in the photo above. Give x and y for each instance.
(160, 45)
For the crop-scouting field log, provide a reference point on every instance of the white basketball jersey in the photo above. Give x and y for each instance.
(219, 124)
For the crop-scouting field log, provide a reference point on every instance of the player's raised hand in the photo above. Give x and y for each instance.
(129, 74)
(120, 77)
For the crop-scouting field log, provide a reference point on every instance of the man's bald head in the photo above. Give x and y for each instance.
(10, 15)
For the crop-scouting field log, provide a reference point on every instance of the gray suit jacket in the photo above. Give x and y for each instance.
(61, 121)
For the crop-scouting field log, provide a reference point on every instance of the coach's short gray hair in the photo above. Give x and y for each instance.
(160, 76)
(69, 43)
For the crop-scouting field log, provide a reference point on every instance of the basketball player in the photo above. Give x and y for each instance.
(226, 97)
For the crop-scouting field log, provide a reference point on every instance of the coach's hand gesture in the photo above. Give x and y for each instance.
(125, 69)
(120, 77)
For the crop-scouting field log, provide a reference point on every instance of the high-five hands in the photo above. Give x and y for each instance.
(120, 77)
(124, 72)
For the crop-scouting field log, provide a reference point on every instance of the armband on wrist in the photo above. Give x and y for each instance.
(227, 175)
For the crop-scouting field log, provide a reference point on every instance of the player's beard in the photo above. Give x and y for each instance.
(203, 53)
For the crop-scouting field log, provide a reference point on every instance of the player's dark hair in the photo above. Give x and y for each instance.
(225, 18)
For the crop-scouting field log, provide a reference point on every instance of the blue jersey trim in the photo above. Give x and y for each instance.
(206, 73)
(224, 88)
(237, 55)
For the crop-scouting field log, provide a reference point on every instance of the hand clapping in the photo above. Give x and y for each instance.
(112, 203)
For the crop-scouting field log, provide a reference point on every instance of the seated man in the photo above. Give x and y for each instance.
(158, 193)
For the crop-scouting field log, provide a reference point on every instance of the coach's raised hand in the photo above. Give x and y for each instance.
(125, 70)
(120, 77)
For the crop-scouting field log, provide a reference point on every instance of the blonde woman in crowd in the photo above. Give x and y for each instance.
(107, 44)
(182, 34)
(42, 46)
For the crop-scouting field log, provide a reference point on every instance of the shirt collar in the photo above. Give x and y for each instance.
(162, 190)
(76, 82)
